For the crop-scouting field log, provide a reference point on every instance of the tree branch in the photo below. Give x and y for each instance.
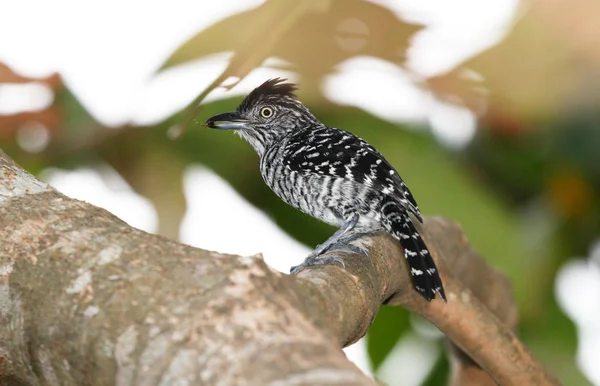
(86, 299)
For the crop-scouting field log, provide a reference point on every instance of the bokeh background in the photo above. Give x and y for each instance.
(489, 110)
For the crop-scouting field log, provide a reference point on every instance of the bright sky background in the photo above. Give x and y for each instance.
(107, 53)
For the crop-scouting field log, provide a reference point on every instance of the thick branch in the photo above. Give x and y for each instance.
(86, 299)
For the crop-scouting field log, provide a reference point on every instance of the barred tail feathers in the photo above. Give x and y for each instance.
(425, 276)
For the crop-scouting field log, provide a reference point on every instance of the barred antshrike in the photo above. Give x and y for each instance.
(332, 175)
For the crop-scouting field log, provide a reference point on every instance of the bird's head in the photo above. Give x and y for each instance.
(267, 115)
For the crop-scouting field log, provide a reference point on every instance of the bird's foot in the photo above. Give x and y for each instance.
(346, 244)
(353, 243)
(316, 260)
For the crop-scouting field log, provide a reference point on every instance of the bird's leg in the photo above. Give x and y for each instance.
(314, 259)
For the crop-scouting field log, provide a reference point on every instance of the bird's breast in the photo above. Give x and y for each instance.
(329, 199)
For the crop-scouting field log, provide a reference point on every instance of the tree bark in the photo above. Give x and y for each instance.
(87, 300)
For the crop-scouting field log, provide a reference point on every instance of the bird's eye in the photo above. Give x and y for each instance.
(266, 112)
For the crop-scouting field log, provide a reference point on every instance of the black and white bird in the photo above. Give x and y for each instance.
(331, 175)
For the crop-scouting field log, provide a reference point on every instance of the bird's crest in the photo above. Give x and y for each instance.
(275, 87)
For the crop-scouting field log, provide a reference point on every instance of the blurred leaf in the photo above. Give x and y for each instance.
(553, 339)
(252, 35)
(153, 169)
(387, 328)
(79, 131)
(513, 165)
(312, 35)
(549, 53)
(7, 75)
(49, 117)
(439, 373)
(569, 192)
(264, 32)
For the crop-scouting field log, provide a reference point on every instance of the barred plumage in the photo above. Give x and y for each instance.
(330, 174)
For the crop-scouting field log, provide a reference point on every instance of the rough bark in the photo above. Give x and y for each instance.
(87, 300)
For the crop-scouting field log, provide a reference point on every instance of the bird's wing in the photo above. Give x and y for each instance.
(337, 153)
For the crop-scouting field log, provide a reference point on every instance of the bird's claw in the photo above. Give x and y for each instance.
(317, 261)
(347, 247)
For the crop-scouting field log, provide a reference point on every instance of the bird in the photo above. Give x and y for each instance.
(332, 175)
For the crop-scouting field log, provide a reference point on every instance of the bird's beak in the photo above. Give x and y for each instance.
(227, 121)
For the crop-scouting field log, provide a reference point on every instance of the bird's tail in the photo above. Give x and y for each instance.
(425, 276)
